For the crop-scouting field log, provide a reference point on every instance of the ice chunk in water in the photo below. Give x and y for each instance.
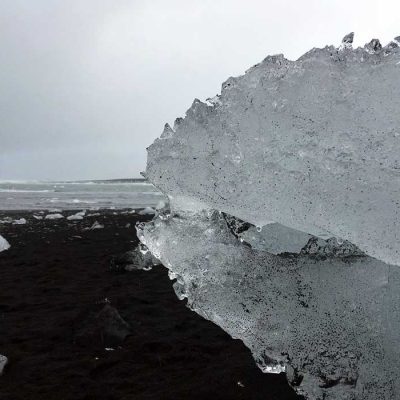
(314, 146)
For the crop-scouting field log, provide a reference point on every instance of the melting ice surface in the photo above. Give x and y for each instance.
(312, 145)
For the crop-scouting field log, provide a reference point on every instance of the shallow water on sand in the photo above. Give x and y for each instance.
(77, 195)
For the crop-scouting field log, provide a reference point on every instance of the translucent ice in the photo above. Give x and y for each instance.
(332, 323)
(77, 217)
(4, 245)
(276, 239)
(312, 145)
(3, 363)
(54, 216)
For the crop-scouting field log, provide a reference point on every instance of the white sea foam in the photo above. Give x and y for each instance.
(25, 191)
(23, 195)
(77, 201)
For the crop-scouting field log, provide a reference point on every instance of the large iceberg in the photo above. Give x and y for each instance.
(284, 211)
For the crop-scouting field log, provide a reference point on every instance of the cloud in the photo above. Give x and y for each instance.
(82, 78)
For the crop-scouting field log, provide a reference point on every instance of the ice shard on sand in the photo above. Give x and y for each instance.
(283, 226)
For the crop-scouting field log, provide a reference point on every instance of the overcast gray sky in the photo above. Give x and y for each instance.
(86, 85)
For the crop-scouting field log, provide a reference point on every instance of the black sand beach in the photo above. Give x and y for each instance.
(56, 278)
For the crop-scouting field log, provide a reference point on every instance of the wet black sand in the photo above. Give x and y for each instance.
(56, 275)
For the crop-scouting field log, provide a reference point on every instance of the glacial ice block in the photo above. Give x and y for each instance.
(283, 229)
(278, 239)
(332, 324)
(312, 144)
(275, 238)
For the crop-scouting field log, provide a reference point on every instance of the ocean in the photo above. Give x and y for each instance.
(125, 193)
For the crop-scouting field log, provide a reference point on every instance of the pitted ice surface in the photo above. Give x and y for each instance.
(284, 222)
(312, 144)
(332, 323)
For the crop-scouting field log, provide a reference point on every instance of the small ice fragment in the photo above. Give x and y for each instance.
(38, 217)
(274, 369)
(373, 46)
(96, 225)
(348, 38)
(3, 363)
(138, 259)
(76, 217)
(143, 249)
(21, 221)
(4, 245)
(109, 349)
(147, 211)
(53, 216)
(347, 41)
